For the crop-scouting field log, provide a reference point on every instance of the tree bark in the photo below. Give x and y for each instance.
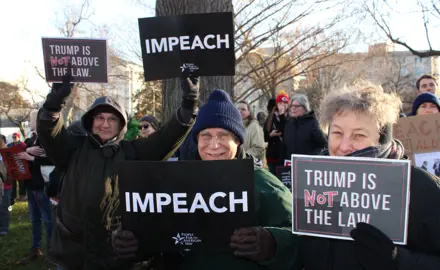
(171, 92)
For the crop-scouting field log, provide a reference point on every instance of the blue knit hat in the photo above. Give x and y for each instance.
(219, 112)
(425, 97)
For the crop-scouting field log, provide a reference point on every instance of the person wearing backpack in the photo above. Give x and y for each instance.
(89, 198)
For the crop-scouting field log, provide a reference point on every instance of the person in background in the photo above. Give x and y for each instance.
(302, 134)
(16, 141)
(6, 189)
(39, 205)
(148, 124)
(219, 135)
(425, 103)
(273, 131)
(261, 118)
(425, 165)
(427, 83)
(254, 141)
(360, 120)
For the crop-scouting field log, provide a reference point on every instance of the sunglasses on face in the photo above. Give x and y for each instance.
(144, 126)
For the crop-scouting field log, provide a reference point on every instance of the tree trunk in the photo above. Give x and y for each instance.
(171, 93)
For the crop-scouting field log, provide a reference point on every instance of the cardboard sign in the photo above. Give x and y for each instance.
(170, 42)
(332, 194)
(88, 58)
(419, 134)
(17, 168)
(188, 204)
(284, 173)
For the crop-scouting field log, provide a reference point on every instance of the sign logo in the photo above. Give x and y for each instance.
(186, 239)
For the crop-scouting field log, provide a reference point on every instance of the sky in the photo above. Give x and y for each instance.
(25, 22)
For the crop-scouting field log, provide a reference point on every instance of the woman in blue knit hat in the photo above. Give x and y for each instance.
(426, 103)
(219, 134)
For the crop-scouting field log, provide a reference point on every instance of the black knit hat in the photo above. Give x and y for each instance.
(152, 120)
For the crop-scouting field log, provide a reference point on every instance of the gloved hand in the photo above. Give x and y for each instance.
(374, 250)
(255, 243)
(60, 91)
(189, 83)
(124, 244)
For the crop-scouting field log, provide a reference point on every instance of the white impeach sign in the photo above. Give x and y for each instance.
(170, 42)
(187, 204)
(332, 194)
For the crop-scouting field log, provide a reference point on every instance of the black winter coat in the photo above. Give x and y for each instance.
(37, 180)
(274, 144)
(422, 251)
(303, 135)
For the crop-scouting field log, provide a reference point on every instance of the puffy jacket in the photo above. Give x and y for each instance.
(89, 195)
(303, 135)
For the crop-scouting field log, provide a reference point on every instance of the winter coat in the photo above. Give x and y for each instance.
(422, 251)
(303, 135)
(254, 140)
(274, 213)
(89, 194)
(37, 180)
(274, 144)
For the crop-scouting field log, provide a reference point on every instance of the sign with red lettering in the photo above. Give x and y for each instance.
(332, 194)
(17, 168)
(419, 134)
(86, 59)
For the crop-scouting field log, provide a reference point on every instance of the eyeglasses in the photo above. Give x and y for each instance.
(144, 126)
(295, 106)
(206, 138)
(100, 120)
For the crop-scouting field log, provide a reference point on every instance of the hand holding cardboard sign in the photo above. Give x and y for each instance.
(255, 243)
(124, 244)
(374, 250)
(60, 91)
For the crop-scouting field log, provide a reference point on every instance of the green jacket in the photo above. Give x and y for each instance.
(274, 212)
(89, 194)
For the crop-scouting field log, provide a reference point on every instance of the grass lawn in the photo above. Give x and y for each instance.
(17, 243)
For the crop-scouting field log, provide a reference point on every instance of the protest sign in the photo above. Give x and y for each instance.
(188, 204)
(287, 162)
(332, 194)
(88, 59)
(420, 135)
(170, 42)
(17, 168)
(285, 176)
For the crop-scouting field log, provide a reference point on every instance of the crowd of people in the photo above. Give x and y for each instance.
(83, 233)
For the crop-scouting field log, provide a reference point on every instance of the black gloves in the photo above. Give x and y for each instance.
(254, 243)
(59, 93)
(189, 83)
(124, 244)
(374, 250)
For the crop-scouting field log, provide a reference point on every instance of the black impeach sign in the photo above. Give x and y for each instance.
(86, 59)
(332, 194)
(173, 206)
(206, 40)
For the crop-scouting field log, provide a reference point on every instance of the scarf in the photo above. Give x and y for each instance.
(392, 150)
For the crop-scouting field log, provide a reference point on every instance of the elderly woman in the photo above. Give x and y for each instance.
(360, 119)
(254, 140)
(426, 103)
(302, 134)
(219, 134)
